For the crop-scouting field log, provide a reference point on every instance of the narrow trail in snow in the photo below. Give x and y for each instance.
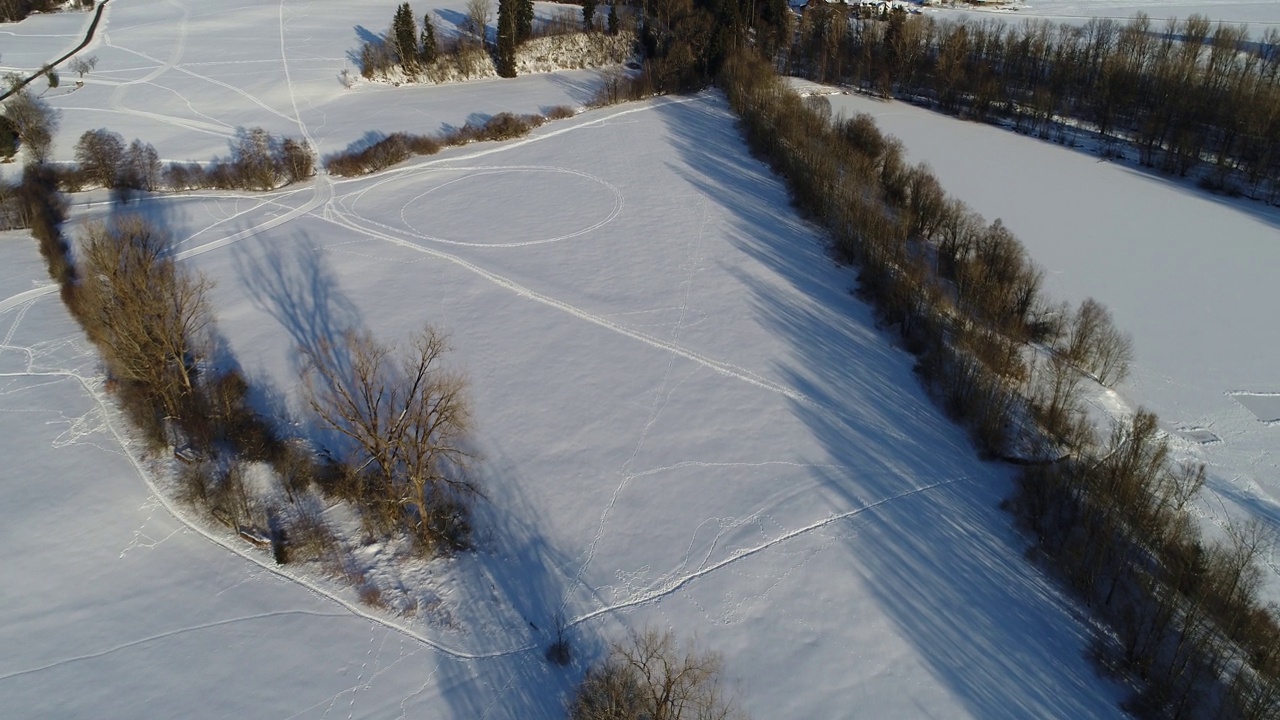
(326, 204)
(93, 388)
(88, 38)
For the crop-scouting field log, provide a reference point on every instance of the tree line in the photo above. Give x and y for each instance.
(258, 161)
(397, 415)
(1188, 97)
(1184, 620)
(400, 146)
(417, 54)
(16, 10)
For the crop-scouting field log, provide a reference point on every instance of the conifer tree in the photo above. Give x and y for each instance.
(428, 50)
(524, 21)
(613, 17)
(588, 14)
(506, 59)
(404, 33)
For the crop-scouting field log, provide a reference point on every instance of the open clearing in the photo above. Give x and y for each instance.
(684, 417)
(686, 420)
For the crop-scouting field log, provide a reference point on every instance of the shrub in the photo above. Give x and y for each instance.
(310, 537)
(651, 677)
(403, 417)
(506, 126)
(297, 468)
(382, 154)
(559, 112)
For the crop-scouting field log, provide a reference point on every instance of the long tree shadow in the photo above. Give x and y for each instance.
(299, 291)
(523, 577)
(513, 580)
(944, 564)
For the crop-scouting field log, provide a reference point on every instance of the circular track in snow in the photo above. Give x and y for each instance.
(504, 207)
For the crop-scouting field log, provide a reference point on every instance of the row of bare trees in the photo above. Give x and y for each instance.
(1189, 97)
(967, 301)
(406, 54)
(402, 416)
(258, 161)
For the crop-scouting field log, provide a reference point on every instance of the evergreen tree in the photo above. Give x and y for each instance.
(429, 51)
(613, 17)
(524, 21)
(588, 14)
(404, 34)
(506, 59)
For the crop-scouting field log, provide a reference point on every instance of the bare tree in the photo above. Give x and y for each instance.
(653, 678)
(82, 65)
(142, 166)
(405, 417)
(34, 121)
(1095, 345)
(147, 314)
(100, 154)
(1055, 400)
(254, 157)
(298, 160)
(478, 13)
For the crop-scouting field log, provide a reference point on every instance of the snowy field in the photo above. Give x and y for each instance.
(185, 76)
(1191, 275)
(1260, 15)
(685, 419)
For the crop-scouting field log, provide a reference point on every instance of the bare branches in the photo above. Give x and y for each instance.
(146, 313)
(653, 677)
(404, 418)
(34, 121)
(478, 15)
(83, 66)
(1095, 345)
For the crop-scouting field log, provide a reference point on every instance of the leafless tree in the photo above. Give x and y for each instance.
(654, 678)
(1055, 398)
(298, 160)
(100, 154)
(34, 121)
(1095, 345)
(405, 417)
(254, 158)
(142, 166)
(82, 65)
(147, 314)
(478, 12)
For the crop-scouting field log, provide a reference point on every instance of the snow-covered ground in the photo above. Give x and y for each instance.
(185, 76)
(1259, 15)
(1191, 275)
(685, 420)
